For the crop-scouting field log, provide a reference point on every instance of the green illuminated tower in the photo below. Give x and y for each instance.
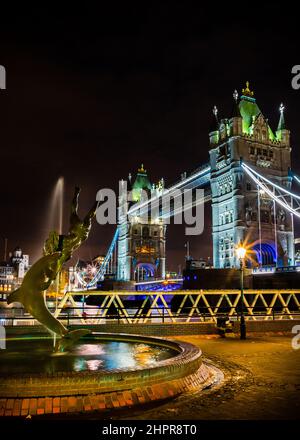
(241, 213)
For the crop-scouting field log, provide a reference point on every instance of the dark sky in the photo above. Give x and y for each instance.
(92, 93)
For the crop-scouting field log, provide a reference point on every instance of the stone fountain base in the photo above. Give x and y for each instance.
(75, 392)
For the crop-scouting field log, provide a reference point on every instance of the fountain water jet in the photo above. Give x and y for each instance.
(57, 206)
(56, 222)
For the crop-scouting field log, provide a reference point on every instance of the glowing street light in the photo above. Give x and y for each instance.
(241, 254)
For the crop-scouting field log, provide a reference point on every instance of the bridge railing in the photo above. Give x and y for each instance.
(172, 307)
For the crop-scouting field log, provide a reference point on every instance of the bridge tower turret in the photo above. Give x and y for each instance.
(241, 213)
(141, 242)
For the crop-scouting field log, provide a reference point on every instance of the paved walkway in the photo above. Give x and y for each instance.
(262, 381)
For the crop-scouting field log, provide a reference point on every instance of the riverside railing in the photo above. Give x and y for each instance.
(171, 307)
(69, 318)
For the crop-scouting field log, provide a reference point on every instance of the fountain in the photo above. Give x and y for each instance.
(100, 372)
(58, 249)
(86, 370)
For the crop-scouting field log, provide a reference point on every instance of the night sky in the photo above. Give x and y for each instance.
(93, 93)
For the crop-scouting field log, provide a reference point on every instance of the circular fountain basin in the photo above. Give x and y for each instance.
(100, 372)
(35, 355)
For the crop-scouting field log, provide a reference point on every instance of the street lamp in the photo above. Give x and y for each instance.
(241, 254)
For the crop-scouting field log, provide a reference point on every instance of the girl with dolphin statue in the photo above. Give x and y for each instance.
(57, 250)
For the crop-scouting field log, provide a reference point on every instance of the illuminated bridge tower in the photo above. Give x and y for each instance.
(241, 213)
(141, 243)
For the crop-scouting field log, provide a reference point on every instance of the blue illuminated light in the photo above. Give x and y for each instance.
(265, 253)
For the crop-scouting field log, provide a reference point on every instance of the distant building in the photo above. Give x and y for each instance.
(196, 264)
(20, 262)
(13, 271)
(7, 279)
(201, 263)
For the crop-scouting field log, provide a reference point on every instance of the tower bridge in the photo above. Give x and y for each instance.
(247, 181)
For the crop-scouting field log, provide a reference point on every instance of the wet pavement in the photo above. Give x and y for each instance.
(261, 381)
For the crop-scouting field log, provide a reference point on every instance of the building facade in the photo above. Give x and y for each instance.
(7, 278)
(13, 271)
(240, 212)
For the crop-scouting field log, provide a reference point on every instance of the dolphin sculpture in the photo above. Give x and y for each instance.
(32, 293)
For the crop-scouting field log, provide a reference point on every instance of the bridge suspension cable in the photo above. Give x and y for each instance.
(99, 275)
(269, 182)
(282, 196)
(296, 178)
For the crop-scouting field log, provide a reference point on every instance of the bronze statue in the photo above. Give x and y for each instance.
(57, 250)
(78, 232)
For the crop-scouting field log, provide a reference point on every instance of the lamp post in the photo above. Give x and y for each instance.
(241, 253)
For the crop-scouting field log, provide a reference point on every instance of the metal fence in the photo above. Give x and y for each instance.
(165, 307)
(158, 316)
